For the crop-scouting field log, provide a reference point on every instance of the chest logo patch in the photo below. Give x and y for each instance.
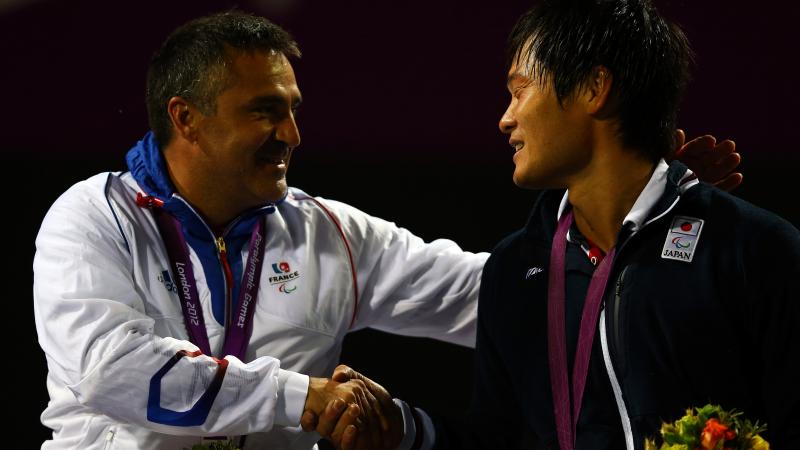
(533, 271)
(284, 277)
(682, 238)
(166, 280)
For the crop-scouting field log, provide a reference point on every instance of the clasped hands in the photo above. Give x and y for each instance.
(352, 412)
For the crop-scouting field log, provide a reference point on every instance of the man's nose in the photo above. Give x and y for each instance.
(288, 132)
(507, 122)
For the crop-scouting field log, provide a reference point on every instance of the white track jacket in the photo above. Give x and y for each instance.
(109, 317)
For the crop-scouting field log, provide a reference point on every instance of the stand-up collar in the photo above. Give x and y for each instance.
(148, 167)
(667, 183)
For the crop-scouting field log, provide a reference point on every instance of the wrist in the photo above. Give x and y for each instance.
(315, 399)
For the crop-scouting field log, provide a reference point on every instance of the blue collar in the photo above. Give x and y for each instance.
(148, 167)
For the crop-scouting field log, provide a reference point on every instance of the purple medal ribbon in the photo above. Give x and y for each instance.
(566, 412)
(238, 333)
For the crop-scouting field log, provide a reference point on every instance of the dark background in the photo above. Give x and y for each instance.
(401, 102)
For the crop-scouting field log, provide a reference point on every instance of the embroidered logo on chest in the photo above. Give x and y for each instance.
(682, 238)
(284, 277)
(166, 280)
(533, 271)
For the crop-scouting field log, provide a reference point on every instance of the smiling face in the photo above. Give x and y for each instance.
(247, 141)
(550, 140)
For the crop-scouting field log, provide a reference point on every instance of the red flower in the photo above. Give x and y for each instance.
(713, 433)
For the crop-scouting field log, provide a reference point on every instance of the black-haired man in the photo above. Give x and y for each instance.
(639, 292)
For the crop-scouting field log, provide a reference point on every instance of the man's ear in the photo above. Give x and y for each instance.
(597, 91)
(184, 117)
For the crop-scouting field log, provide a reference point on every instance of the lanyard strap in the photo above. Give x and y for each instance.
(566, 412)
(238, 333)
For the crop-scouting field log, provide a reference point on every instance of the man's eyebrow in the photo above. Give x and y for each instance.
(272, 100)
(513, 77)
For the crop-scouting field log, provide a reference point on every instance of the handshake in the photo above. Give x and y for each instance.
(352, 412)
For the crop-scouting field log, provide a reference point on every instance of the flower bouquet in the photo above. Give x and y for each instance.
(710, 428)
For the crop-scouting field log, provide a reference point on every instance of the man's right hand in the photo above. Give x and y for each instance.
(362, 417)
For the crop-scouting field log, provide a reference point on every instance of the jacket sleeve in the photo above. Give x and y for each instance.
(494, 420)
(99, 340)
(772, 278)
(408, 286)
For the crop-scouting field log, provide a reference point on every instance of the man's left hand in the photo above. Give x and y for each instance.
(713, 162)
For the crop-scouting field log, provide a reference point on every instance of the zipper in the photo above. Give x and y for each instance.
(616, 309)
(226, 268)
(109, 439)
(615, 386)
(612, 376)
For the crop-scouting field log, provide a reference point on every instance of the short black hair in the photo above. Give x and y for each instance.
(562, 41)
(192, 61)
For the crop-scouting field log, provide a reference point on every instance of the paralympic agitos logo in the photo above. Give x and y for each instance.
(680, 245)
(284, 275)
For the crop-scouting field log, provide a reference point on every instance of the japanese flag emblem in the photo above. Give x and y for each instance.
(682, 238)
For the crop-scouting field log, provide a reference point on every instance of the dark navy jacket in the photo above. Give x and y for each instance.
(723, 328)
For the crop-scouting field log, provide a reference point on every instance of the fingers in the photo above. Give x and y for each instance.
(711, 161)
(308, 421)
(370, 412)
(724, 148)
(375, 418)
(730, 182)
(375, 403)
(716, 172)
(725, 165)
(723, 153)
(697, 147)
(374, 391)
(349, 438)
(329, 418)
(384, 399)
(350, 419)
(378, 396)
(343, 373)
(680, 139)
(705, 150)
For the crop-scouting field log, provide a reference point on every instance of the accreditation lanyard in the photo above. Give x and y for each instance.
(566, 412)
(238, 331)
